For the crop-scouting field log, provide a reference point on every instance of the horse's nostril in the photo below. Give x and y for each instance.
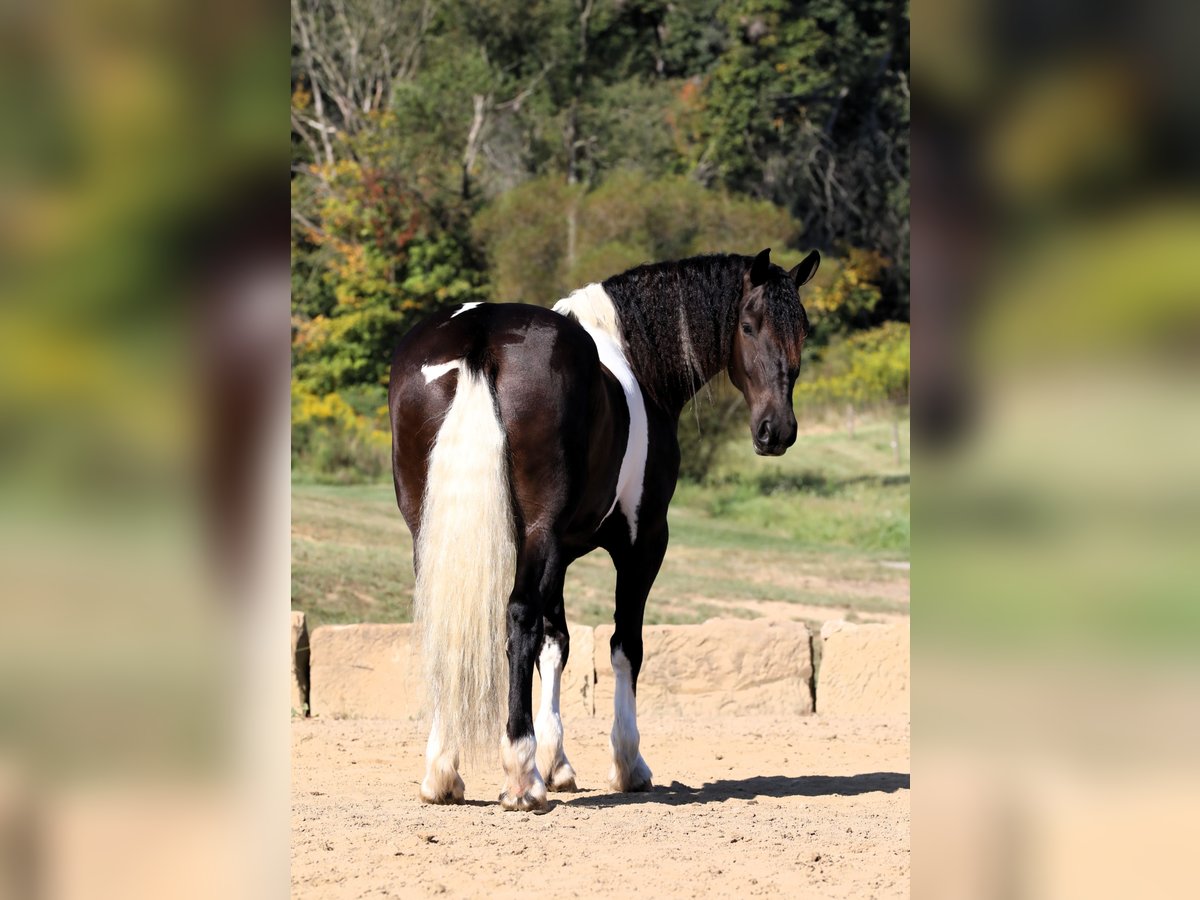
(764, 432)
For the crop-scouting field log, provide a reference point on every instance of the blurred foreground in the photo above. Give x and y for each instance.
(143, 469)
(1057, 427)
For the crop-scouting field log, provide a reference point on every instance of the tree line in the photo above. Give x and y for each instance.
(446, 151)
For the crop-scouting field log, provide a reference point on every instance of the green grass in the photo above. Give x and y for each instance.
(351, 554)
(814, 527)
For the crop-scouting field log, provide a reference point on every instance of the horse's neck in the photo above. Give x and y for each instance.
(672, 389)
(682, 351)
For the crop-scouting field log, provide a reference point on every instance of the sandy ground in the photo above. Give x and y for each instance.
(743, 806)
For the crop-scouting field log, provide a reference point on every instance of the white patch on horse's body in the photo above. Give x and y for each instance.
(629, 771)
(523, 787)
(551, 760)
(442, 783)
(466, 307)
(592, 308)
(434, 372)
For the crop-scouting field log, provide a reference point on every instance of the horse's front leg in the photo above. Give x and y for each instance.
(524, 788)
(637, 567)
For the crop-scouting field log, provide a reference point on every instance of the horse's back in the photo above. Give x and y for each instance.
(523, 351)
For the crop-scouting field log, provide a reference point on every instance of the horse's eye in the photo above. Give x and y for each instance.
(746, 329)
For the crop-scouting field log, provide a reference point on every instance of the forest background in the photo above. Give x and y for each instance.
(446, 152)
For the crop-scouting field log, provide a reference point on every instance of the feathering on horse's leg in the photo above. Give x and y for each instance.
(637, 568)
(442, 783)
(552, 762)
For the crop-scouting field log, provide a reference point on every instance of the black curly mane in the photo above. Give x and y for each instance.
(678, 318)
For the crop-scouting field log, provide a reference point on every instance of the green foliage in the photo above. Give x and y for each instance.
(844, 295)
(459, 151)
(333, 441)
(708, 423)
(869, 368)
(627, 220)
(378, 261)
(635, 118)
(808, 107)
(673, 217)
(525, 235)
(769, 57)
(881, 362)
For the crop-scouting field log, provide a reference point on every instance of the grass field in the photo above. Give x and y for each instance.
(816, 534)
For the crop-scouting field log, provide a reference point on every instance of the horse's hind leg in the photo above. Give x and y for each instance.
(537, 567)
(637, 568)
(556, 645)
(442, 783)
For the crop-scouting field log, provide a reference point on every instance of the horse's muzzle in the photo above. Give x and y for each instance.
(770, 440)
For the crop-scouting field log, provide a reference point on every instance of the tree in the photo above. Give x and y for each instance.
(626, 220)
(346, 57)
(808, 107)
(381, 261)
(445, 151)
(867, 368)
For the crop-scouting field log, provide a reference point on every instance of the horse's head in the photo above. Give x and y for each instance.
(765, 358)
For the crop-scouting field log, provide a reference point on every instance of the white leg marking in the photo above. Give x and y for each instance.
(523, 788)
(551, 761)
(442, 783)
(466, 307)
(433, 373)
(629, 771)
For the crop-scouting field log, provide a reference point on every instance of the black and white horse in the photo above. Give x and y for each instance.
(524, 438)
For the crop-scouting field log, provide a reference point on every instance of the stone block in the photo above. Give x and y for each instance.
(723, 666)
(864, 669)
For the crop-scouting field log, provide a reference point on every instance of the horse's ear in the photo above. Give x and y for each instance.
(806, 268)
(760, 267)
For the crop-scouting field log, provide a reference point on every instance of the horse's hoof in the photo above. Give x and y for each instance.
(533, 801)
(446, 795)
(448, 798)
(631, 781)
(562, 780)
(631, 786)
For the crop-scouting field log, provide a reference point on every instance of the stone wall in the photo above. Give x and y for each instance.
(365, 671)
(727, 666)
(864, 670)
(299, 664)
(721, 667)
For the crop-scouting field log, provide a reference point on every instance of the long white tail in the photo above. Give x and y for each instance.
(466, 563)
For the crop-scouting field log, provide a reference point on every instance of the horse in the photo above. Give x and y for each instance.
(524, 438)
